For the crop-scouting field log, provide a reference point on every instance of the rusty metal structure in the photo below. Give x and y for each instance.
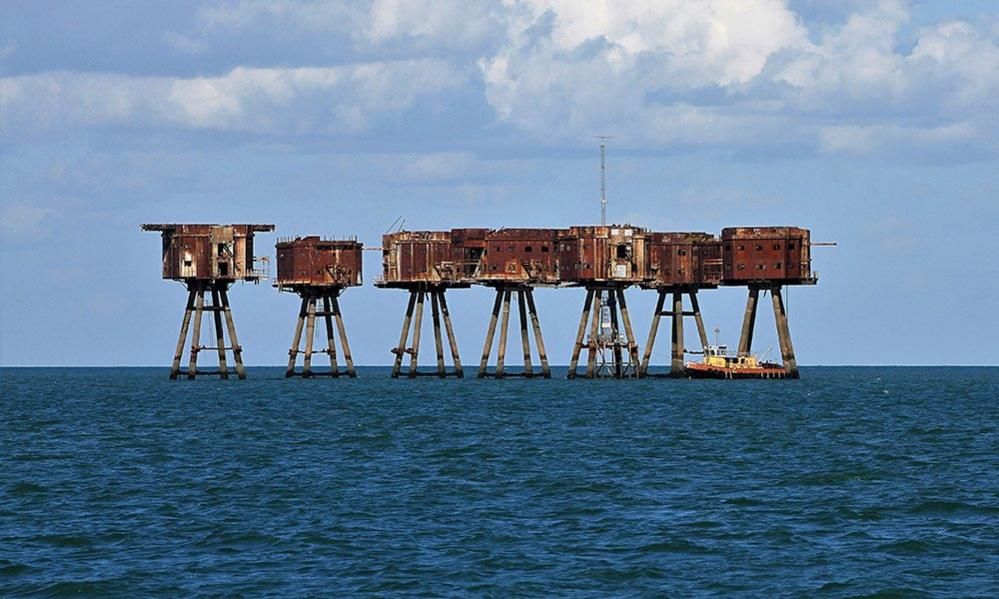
(428, 263)
(318, 270)
(605, 260)
(766, 259)
(208, 259)
(680, 264)
(513, 263)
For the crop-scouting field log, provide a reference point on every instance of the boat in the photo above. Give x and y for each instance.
(718, 363)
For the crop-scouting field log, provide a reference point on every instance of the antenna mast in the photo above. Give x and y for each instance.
(603, 177)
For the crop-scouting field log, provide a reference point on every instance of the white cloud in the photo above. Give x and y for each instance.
(739, 73)
(276, 100)
(23, 223)
(184, 43)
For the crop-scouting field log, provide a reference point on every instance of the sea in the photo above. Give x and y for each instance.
(850, 482)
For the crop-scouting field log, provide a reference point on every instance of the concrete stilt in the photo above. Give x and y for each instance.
(525, 339)
(237, 350)
(538, 340)
(490, 333)
(784, 334)
(330, 343)
(701, 331)
(310, 332)
(452, 340)
(342, 330)
(438, 342)
(417, 327)
(219, 335)
(580, 334)
(591, 357)
(199, 308)
(629, 333)
(749, 322)
(653, 331)
(185, 325)
(400, 350)
(676, 368)
(504, 326)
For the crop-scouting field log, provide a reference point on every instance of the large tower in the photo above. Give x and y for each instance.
(605, 260)
(207, 259)
(514, 262)
(424, 263)
(318, 270)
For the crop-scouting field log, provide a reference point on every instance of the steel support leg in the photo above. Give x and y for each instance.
(578, 346)
(400, 350)
(653, 331)
(185, 325)
(749, 322)
(784, 334)
(538, 340)
(451, 339)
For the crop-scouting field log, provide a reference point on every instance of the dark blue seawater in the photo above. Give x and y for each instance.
(849, 482)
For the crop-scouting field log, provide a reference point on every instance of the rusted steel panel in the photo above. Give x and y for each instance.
(527, 256)
(603, 254)
(208, 252)
(767, 254)
(315, 262)
(413, 259)
(684, 260)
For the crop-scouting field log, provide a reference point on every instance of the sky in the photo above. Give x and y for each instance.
(873, 123)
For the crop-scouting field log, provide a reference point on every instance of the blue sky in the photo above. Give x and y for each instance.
(872, 123)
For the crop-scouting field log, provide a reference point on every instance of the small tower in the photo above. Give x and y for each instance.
(318, 270)
(514, 262)
(605, 260)
(424, 263)
(680, 264)
(208, 259)
(767, 258)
